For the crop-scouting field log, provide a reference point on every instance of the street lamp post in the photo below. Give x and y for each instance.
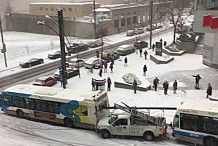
(151, 19)
(62, 43)
(3, 50)
(94, 17)
(47, 16)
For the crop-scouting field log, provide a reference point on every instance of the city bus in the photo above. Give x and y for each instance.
(64, 106)
(196, 121)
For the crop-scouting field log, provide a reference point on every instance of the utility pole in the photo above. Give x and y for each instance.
(151, 19)
(94, 17)
(62, 45)
(3, 50)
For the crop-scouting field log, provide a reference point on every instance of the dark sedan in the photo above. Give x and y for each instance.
(69, 73)
(140, 44)
(31, 62)
(110, 56)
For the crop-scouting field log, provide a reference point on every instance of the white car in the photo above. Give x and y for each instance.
(75, 63)
(93, 62)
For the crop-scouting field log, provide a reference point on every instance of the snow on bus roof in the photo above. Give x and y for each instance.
(200, 104)
(53, 93)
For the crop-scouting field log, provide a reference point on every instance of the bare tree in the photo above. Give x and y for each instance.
(28, 51)
(176, 10)
(52, 44)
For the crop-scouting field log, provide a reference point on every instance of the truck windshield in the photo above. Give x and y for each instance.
(112, 119)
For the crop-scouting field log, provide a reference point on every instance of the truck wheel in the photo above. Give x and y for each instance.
(105, 134)
(68, 122)
(211, 142)
(20, 113)
(149, 136)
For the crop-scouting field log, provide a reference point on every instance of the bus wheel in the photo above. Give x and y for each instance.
(105, 134)
(20, 114)
(68, 122)
(149, 136)
(211, 142)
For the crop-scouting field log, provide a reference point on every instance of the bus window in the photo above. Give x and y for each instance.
(102, 105)
(8, 100)
(38, 106)
(176, 121)
(19, 102)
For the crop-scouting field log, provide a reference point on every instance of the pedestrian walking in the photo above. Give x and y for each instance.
(174, 86)
(153, 47)
(109, 84)
(105, 66)
(165, 86)
(111, 67)
(144, 70)
(165, 43)
(197, 79)
(125, 61)
(155, 83)
(161, 40)
(140, 52)
(135, 85)
(93, 84)
(100, 72)
(209, 90)
(145, 53)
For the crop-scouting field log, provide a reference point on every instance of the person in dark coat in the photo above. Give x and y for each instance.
(209, 90)
(174, 86)
(135, 85)
(197, 79)
(145, 53)
(111, 66)
(125, 61)
(153, 46)
(165, 43)
(165, 86)
(93, 84)
(109, 84)
(97, 54)
(100, 72)
(144, 70)
(155, 83)
(140, 52)
(105, 66)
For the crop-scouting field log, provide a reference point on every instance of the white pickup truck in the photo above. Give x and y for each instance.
(126, 124)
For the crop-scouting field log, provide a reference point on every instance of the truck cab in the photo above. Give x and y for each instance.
(126, 124)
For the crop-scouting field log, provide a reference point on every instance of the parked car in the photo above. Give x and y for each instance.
(140, 44)
(75, 63)
(124, 50)
(31, 62)
(93, 44)
(108, 56)
(130, 33)
(70, 72)
(153, 28)
(56, 54)
(45, 81)
(138, 31)
(93, 62)
(77, 47)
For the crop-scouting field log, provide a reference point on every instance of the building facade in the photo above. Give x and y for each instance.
(205, 21)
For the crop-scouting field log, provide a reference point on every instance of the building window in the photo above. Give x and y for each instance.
(70, 9)
(128, 21)
(84, 9)
(46, 9)
(40, 8)
(115, 15)
(123, 22)
(64, 9)
(128, 14)
(135, 12)
(52, 9)
(134, 19)
(116, 23)
(34, 9)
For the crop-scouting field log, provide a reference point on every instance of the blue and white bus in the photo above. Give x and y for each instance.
(65, 106)
(196, 121)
